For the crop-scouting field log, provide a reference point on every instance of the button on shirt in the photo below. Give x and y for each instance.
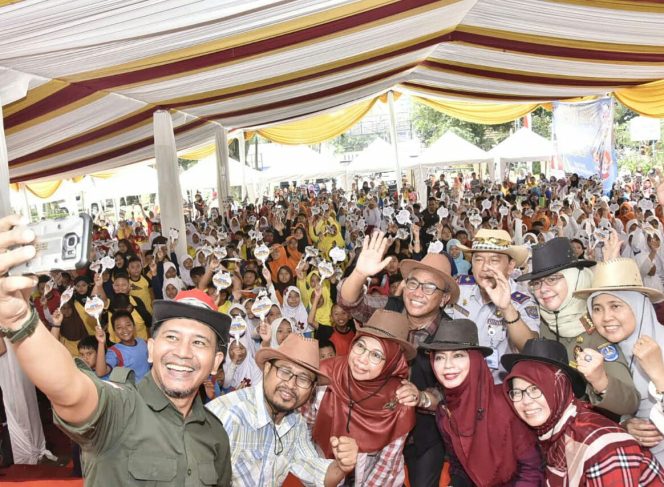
(251, 434)
(137, 437)
(491, 329)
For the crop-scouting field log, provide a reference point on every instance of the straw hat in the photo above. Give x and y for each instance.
(619, 274)
(298, 350)
(455, 335)
(439, 265)
(499, 242)
(390, 325)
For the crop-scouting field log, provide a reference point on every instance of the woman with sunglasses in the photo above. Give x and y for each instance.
(581, 447)
(491, 445)
(556, 275)
(361, 401)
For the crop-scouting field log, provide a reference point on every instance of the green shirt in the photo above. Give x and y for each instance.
(137, 437)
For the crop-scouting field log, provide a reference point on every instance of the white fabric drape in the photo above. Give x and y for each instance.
(168, 178)
(223, 167)
(5, 206)
(421, 184)
(23, 420)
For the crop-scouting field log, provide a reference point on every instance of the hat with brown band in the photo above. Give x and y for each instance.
(619, 274)
(390, 325)
(437, 264)
(298, 350)
(498, 242)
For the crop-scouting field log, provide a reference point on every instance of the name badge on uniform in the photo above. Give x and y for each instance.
(492, 360)
(461, 310)
(609, 352)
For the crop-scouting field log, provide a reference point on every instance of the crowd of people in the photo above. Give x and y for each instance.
(512, 330)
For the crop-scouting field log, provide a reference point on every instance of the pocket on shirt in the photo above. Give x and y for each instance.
(152, 469)
(207, 473)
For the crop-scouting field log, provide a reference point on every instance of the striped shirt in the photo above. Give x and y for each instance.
(251, 434)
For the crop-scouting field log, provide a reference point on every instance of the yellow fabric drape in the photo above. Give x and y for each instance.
(43, 189)
(200, 153)
(647, 99)
(484, 113)
(319, 128)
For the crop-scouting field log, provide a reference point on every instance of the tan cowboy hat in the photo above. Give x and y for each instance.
(619, 274)
(297, 349)
(439, 265)
(498, 242)
(390, 325)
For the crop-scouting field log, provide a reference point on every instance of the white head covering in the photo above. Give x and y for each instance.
(274, 325)
(297, 313)
(646, 325)
(185, 274)
(175, 281)
(565, 321)
(234, 374)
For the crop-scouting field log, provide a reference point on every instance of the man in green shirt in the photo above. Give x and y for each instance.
(156, 433)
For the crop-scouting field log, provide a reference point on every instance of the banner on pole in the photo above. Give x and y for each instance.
(583, 139)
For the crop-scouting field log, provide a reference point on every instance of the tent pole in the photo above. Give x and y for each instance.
(223, 173)
(243, 161)
(5, 205)
(24, 190)
(168, 178)
(393, 136)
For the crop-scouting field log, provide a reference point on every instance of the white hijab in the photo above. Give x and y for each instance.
(298, 313)
(234, 373)
(176, 282)
(185, 274)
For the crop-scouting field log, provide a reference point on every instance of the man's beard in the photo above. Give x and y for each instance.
(177, 394)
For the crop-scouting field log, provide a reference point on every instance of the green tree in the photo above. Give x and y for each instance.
(429, 124)
(542, 120)
(352, 143)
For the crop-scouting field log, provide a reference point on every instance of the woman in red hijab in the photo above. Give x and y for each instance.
(581, 447)
(361, 400)
(490, 443)
(626, 213)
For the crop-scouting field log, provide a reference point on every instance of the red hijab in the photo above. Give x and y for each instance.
(487, 435)
(580, 426)
(375, 418)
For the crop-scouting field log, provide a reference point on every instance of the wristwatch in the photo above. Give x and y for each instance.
(27, 329)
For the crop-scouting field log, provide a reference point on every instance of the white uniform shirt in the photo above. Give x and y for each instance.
(491, 329)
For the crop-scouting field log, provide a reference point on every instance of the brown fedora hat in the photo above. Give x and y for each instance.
(498, 242)
(439, 265)
(297, 349)
(455, 335)
(619, 274)
(390, 325)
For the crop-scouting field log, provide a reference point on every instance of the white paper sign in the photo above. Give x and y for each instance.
(436, 247)
(222, 280)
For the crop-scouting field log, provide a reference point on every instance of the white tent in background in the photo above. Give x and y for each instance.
(203, 175)
(295, 162)
(137, 179)
(377, 157)
(451, 149)
(524, 145)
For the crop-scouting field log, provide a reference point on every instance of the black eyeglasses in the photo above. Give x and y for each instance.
(428, 288)
(302, 381)
(533, 392)
(550, 281)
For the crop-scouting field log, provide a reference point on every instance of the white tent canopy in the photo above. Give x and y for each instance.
(295, 162)
(524, 145)
(136, 179)
(378, 157)
(200, 175)
(451, 149)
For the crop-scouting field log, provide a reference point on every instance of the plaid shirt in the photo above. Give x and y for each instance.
(251, 435)
(384, 468)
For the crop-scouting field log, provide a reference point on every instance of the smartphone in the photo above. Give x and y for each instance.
(64, 244)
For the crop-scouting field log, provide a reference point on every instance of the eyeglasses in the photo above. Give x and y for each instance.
(375, 357)
(548, 280)
(533, 392)
(302, 381)
(428, 288)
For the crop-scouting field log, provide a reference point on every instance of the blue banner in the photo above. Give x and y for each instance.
(583, 139)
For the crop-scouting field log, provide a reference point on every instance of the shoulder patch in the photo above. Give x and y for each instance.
(466, 280)
(609, 352)
(532, 312)
(461, 310)
(122, 375)
(520, 298)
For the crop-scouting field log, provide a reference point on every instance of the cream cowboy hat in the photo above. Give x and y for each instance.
(619, 274)
(499, 242)
(297, 349)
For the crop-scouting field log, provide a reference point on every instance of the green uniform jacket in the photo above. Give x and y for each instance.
(137, 437)
(621, 397)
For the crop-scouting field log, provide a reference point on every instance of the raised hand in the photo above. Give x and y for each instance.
(591, 364)
(100, 335)
(57, 317)
(266, 275)
(649, 355)
(371, 261)
(501, 293)
(265, 332)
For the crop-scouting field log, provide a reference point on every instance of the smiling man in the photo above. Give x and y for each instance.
(269, 438)
(428, 288)
(155, 433)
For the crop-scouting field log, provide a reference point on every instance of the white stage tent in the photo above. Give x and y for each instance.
(448, 150)
(524, 145)
(294, 163)
(202, 176)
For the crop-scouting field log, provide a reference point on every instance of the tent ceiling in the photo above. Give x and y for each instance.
(98, 69)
